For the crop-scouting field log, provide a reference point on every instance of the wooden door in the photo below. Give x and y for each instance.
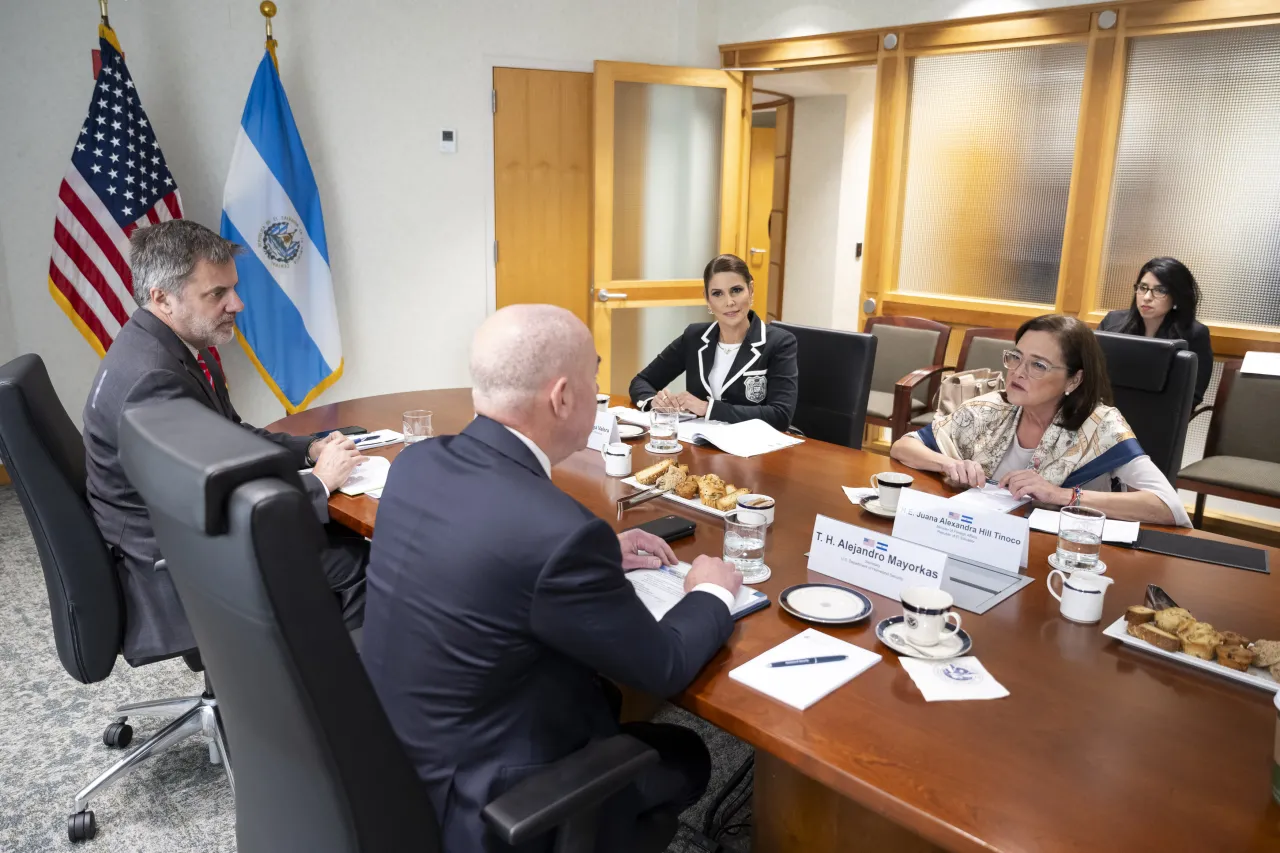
(670, 186)
(759, 211)
(542, 187)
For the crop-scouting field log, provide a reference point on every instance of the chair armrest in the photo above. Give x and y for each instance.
(902, 391)
(1200, 410)
(573, 784)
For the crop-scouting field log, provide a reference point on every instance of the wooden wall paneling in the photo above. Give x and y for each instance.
(1087, 184)
(886, 186)
(1009, 31)
(781, 200)
(760, 214)
(1148, 18)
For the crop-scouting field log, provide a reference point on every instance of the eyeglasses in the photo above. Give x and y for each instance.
(1036, 367)
(1159, 291)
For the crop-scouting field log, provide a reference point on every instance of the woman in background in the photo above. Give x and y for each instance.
(736, 368)
(1165, 298)
(1051, 435)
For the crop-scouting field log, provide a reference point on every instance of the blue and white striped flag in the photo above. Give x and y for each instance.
(289, 325)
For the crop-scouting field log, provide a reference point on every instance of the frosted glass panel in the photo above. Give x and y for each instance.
(1197, 171)
(667, 150)
(990, 141)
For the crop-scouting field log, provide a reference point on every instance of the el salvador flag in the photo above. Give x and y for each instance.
(289, 325)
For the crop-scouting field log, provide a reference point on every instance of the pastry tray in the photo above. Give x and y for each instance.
(1257, 677)
(691, 503)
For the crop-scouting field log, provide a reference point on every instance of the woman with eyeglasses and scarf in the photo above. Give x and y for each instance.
(1164, 304)
(1051, 435)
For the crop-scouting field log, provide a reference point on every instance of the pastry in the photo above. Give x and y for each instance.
(1200, 640)
(1231, 638)
(1268, 652)
(710, 497)
(672, 478)
(687, 488)
(1137, 615)
(650, 475)
(730, 499)
(1156, 637)
(1235, 657)
(1172, 618)
(1275, 670)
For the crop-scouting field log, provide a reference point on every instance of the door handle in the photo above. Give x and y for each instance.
(604, 295)
(755, 251)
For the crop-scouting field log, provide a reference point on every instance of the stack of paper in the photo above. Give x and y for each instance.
(747, 438)
(661, 589)
(990, 498)
(369, 474)
(801, 686)
(1117, 532)
(1262, 363)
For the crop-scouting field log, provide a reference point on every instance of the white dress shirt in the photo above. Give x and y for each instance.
(545, 461)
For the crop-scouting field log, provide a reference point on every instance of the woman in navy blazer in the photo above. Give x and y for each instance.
(736, 368)
(1164, 306)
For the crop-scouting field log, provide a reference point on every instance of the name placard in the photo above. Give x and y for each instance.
(872, 561)
(987, 538)
(604, 432)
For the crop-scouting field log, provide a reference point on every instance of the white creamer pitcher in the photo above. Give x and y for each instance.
(1082, 594)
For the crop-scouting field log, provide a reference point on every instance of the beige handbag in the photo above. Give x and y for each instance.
(962, 386)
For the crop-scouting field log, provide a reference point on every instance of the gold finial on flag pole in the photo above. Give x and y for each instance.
(268, 10)
(102, 9)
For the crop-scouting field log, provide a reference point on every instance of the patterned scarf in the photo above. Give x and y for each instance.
(984, 429)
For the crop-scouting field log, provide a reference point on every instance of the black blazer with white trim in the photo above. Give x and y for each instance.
(762, 383)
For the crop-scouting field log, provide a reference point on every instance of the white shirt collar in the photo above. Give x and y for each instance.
(543, 459)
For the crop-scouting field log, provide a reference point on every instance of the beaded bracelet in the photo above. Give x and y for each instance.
(1075, 496)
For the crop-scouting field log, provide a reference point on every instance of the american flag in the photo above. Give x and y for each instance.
(117, 181)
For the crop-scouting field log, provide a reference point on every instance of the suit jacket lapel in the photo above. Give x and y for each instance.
(175, 347)
(709, 339)
(219, 382)
(748, 353)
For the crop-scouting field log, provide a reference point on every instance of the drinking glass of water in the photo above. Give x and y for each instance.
(664, 429)
(1079, 538)
(744, 533)
(417, 426)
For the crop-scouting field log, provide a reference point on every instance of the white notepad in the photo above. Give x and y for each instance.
(659, 590)
(745, 438)
(801, 686)
(990, 498)
(369, 474)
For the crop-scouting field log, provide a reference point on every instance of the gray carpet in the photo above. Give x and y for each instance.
(51, 739)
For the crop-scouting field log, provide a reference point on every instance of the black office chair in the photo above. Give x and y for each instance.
(835, 382)
(319, 767)
(44, 454)
(1154, 383)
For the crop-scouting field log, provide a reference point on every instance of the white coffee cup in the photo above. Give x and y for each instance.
(762, 504)
(617, 459)
(926, 612)
(889, 486)
(602, 402)
(1082, 594)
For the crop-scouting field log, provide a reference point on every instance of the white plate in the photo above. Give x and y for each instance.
(691, 503)
(1256, 677)
(1099, 568)
(626, 431)
(825, 603)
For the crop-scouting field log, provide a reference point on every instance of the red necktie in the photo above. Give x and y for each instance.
(205, 368)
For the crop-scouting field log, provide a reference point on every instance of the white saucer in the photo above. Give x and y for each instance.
(952, 645)
(1098, 567)
(768, 573)
(629, 431)
(871, 503)
(649, 447)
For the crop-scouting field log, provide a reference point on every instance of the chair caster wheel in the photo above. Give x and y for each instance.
(119, 734)
(81, 826)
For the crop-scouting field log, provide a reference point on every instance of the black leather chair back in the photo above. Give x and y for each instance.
(318, 766)
(1154, 383)
(835, 380)
(44, 455)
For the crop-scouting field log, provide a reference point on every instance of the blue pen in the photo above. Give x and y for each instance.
(807, 661)
(369, 437)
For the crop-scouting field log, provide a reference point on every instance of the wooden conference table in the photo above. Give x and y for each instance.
(1098, 747)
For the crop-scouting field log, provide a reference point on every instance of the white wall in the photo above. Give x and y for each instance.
(371, 86)
(827, 205)
(753, 20)
(813, 209)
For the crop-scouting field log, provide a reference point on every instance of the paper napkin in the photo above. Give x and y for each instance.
(952, 680)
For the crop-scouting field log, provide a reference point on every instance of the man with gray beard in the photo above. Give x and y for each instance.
(184, 279)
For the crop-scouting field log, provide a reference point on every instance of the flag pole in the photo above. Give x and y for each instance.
(102, 9)
(268, 10)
